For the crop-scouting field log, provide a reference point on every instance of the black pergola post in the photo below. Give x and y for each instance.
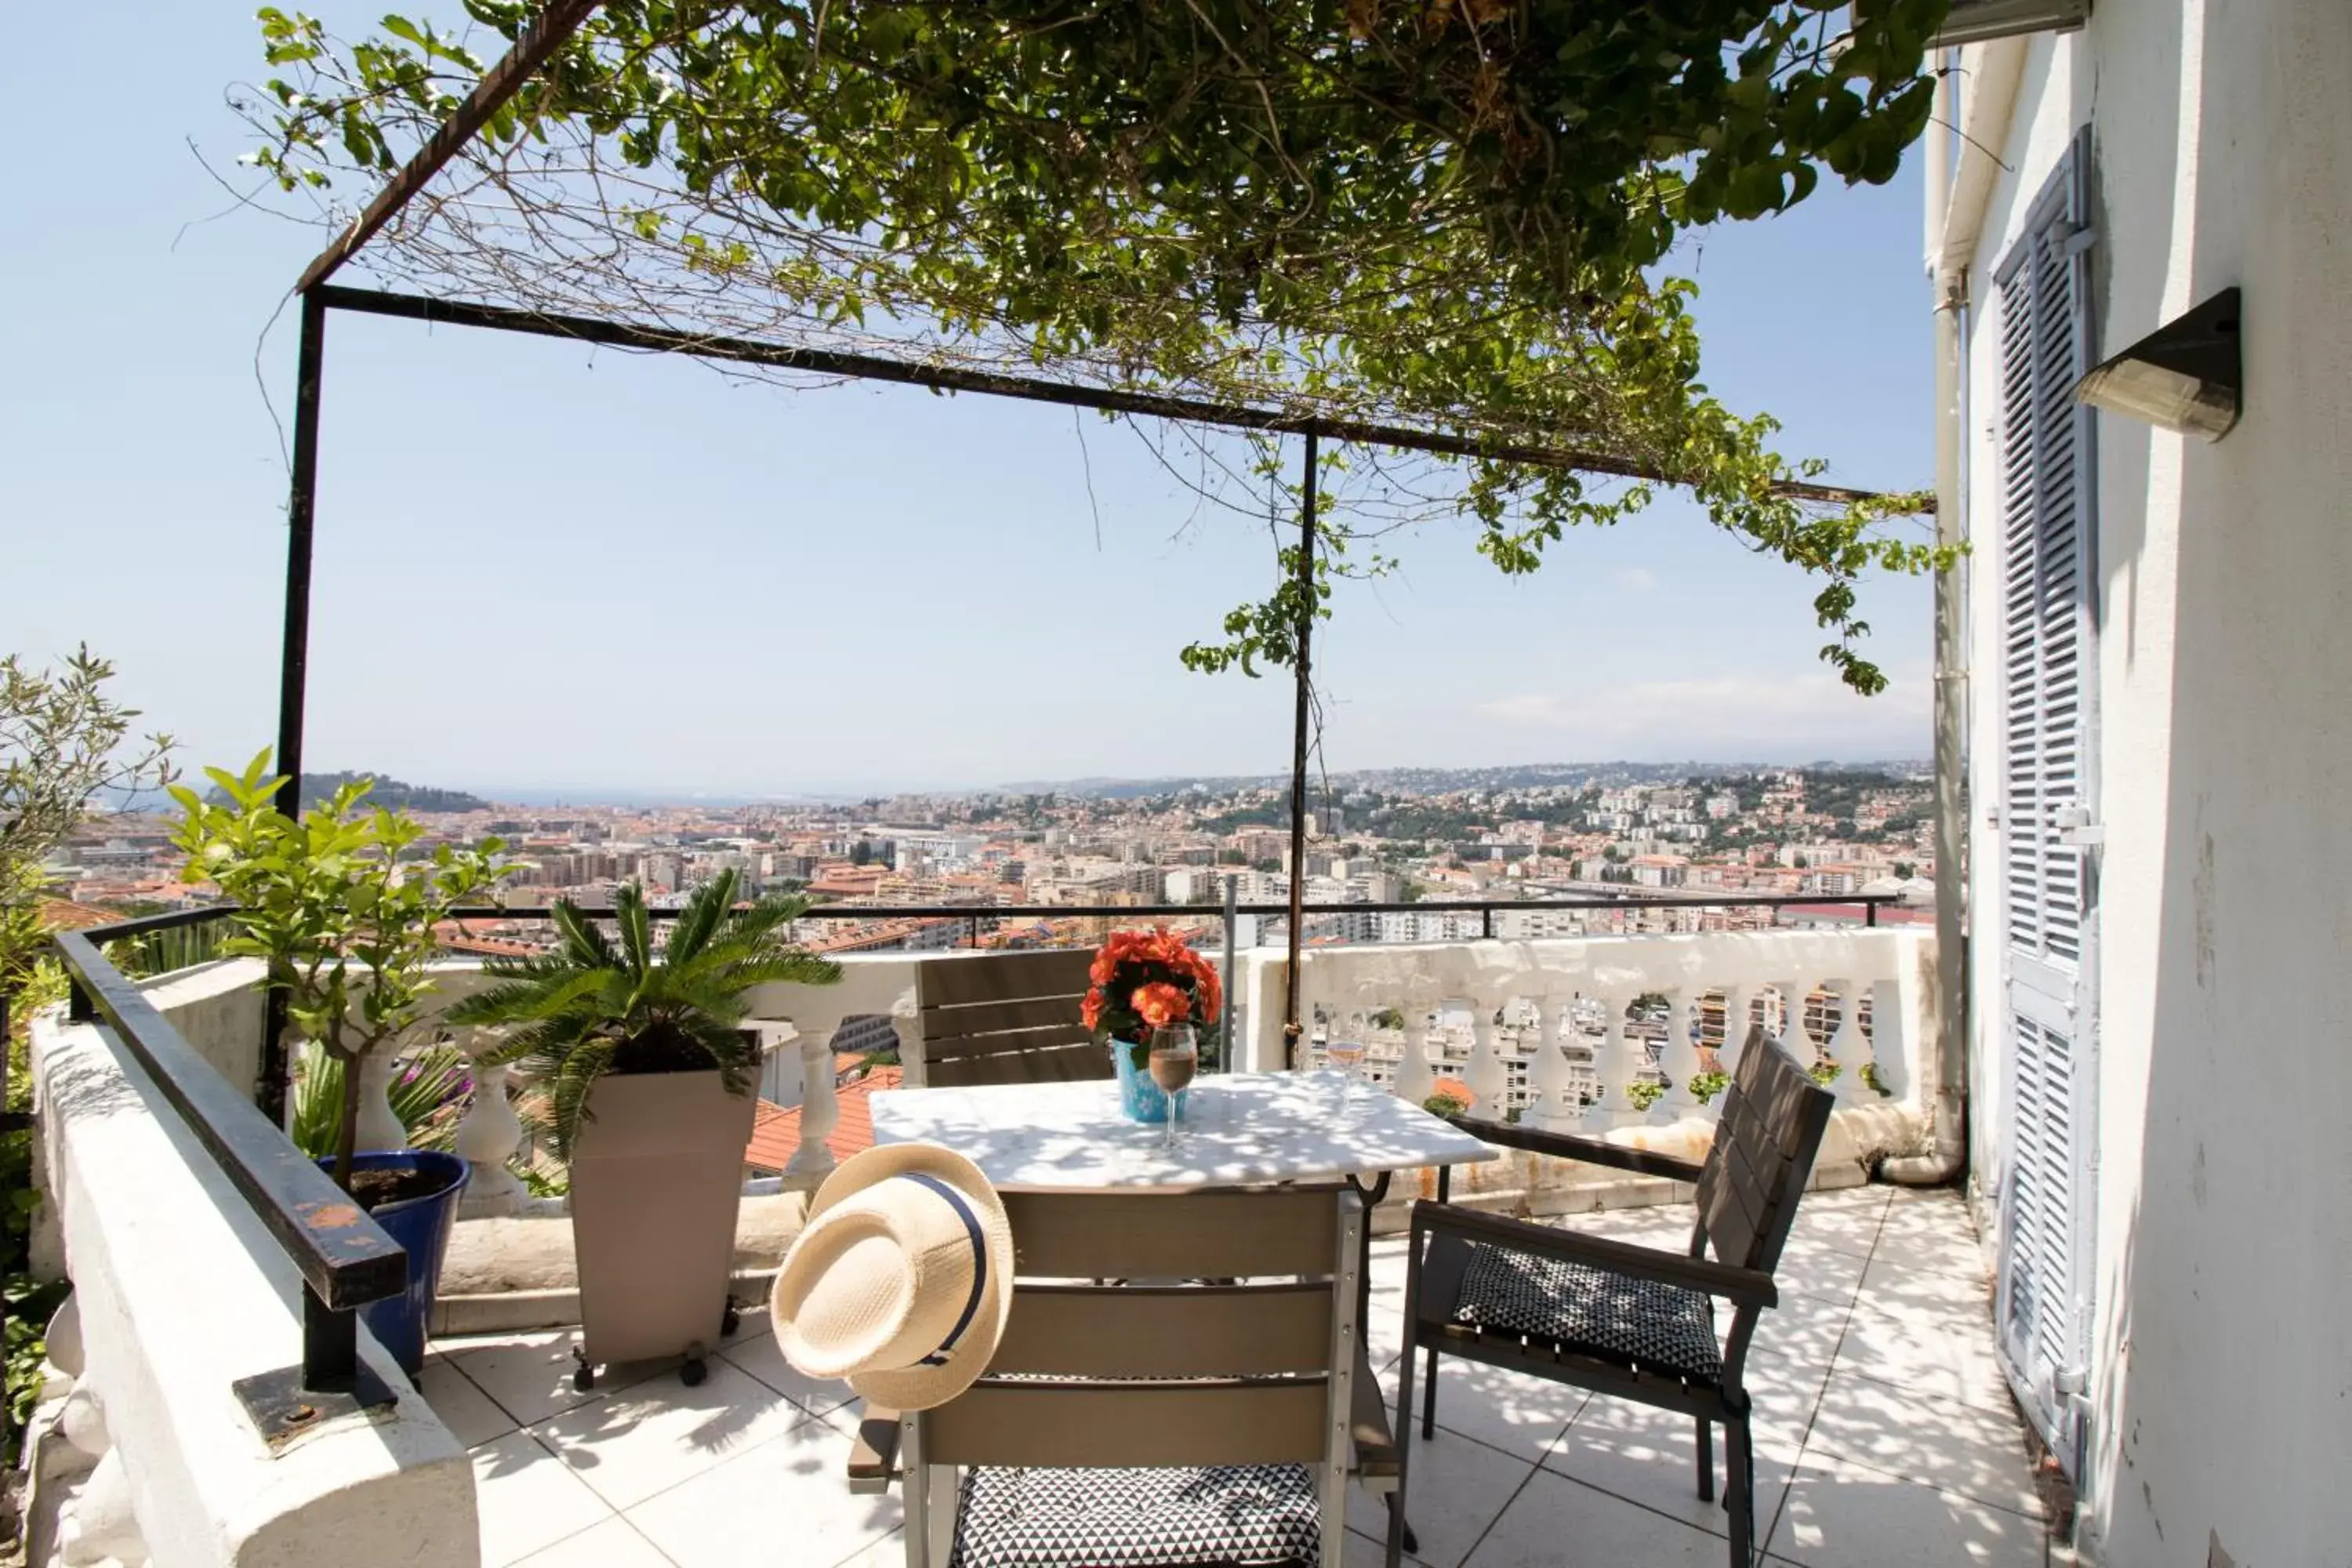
(1293, 1027)
(294, 650)
(302, 513)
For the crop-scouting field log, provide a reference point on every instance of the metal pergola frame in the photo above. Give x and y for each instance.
(557, 22)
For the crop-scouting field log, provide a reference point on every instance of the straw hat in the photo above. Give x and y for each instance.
(902, 1281)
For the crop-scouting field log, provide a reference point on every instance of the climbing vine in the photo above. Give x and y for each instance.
(1447, 216)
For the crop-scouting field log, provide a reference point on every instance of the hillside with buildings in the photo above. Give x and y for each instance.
(1386, 854)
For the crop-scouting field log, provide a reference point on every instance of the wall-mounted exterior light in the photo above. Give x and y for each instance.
(2184, 376)
(1978, 21)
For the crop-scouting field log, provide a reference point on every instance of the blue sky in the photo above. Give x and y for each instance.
(539, 566)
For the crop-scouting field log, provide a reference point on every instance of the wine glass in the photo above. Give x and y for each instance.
(1347, 1055)
(1175, 1057)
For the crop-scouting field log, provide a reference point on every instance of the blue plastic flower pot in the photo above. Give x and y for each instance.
(1142, 1100)
(421, 1227)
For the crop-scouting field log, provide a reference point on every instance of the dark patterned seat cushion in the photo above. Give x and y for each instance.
(1642, 1323)
(1247, 1514)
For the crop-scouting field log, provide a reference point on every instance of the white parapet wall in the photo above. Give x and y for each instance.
(179, 1292)
(220, 1009)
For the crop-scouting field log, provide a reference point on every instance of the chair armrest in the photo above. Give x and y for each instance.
(1743, 1286)
(874, 1451)
(1568, 1146)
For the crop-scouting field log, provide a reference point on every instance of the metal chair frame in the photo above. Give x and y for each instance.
(1772, 1120)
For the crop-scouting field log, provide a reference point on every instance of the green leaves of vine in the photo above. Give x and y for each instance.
(1446, 215)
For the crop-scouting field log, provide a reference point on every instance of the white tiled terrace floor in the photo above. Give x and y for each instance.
(1885, 1435)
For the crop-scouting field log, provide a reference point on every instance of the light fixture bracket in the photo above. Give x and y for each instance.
(2187, 376)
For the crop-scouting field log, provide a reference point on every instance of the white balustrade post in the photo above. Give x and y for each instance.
(1415, 1080)
(1550, 1077)
(1484, 1073)
(1795, 1037)
(490, 1134)
(99, 1526)
(1735, 1033)
(1678, 1059)
(820, 1112)
(1892, 1037)
(1615, 1065)
(379, 1129)
(1847, 1047)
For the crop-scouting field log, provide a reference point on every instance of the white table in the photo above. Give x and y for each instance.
(1238, 1129)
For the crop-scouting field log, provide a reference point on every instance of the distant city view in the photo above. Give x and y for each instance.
(1546, 850)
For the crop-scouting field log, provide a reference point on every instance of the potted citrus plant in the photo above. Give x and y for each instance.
(344, 926)
(648, 1080)
(1142, 981)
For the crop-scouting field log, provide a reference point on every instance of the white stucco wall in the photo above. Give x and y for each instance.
(145, 1215)
(2221, 1378)
(219, 1008)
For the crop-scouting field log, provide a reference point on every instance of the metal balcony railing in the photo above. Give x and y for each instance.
(345, 1258)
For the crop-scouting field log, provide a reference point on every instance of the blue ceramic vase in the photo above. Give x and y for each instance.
(1142, 1100)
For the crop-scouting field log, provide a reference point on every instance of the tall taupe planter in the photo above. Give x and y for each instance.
(657, 1173)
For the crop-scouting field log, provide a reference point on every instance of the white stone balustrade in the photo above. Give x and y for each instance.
(1563, 998)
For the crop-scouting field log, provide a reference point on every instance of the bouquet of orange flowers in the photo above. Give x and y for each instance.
(1149, 979)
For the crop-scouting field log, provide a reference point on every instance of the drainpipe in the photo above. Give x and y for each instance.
(1948, 1154)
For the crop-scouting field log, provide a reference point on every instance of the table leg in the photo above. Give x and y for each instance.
(1372, 1195)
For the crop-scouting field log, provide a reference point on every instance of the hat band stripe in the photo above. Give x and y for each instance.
(955, 1201)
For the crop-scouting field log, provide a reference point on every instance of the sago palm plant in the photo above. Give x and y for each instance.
(598, 1006)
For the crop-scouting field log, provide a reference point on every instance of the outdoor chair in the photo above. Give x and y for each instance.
(1004, 1017)
(1128, 1419)
(1617, 1318)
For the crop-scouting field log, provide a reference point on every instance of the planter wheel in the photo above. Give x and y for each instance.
(730, 1321)
(583, 1376)
(695, 1370)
